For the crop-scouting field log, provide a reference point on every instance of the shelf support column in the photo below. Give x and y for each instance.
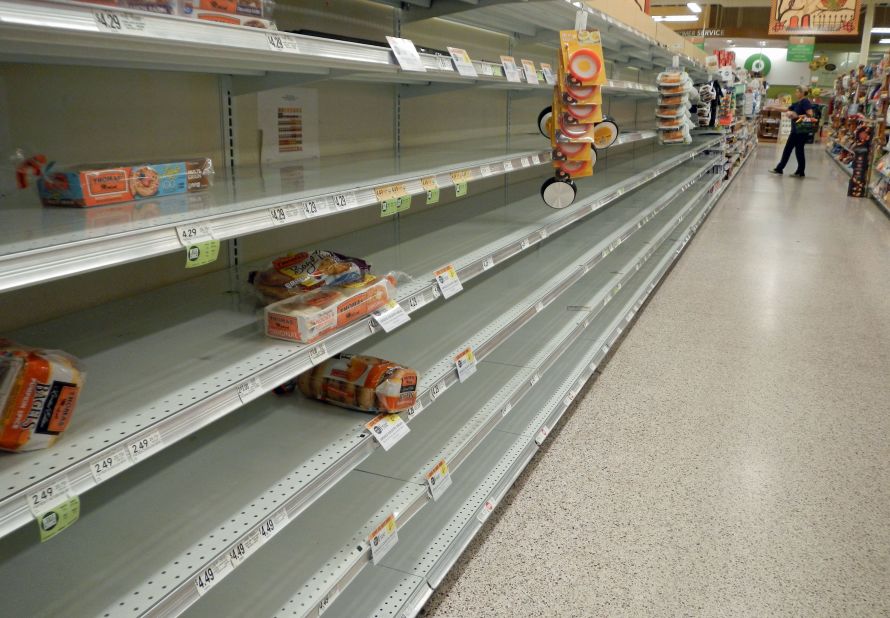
(866, 31)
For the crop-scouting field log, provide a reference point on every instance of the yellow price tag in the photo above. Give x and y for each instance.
(461, 176)
(390, 192)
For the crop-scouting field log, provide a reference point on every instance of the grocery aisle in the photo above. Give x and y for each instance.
(734, 456)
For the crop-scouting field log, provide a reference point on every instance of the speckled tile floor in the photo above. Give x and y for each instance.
(734, 457)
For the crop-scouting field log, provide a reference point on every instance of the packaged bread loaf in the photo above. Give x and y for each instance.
(358, 382)
(38, 394)
(295, 273)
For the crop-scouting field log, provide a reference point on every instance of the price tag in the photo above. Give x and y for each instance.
(144, 446)
(487, 69)
(461, 176)
(448, 281)
(406, 54)
(486, 510)
(395, 206)
(525, 162)
(460, 189)
(312, 208)
(283, 214)
(57, 518)
(49, 495)
(539, 306)
(465, 362)
(534, 379)
(389, 192)
(542, 435)
(486, 171)
(193, 233)
(318, 353)
(282, 43)
(549, 77)
(536, 159)
(508, 166)
(212, 574)
(329, 598)
(109, 465)
(438, 479)
(544, 234)
(431, 186)
(344, 201)
(487, 263)
(201, 254)
(462, 62)
(416, 409)
(383, 538)
(388, 429)
(272, 525)
(510, 69)
(118, 23)
(437, 390)
(507, 409)
(250, 390)
(391, 316)
(531, 73)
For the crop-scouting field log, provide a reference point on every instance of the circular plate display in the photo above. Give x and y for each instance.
(558, 193)
(606, 133)
(544, 121)
(582, 112)
(575, 93)
(584, 65)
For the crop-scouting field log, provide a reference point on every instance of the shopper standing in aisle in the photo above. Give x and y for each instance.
(798, 138)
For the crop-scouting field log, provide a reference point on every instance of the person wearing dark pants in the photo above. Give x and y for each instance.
(798, 138)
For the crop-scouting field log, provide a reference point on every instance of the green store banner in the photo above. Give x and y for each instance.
(801, 48)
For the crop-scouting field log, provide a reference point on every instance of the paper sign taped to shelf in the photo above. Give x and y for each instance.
(383, 538)
(486, 171)
(462, 62)
(201, 254)
(250, 389)
(344, 201)
(406, 54)
(212, 574)
(58, 518)
(388, 429)
(465, 362)
(549, 77)
(531, 73)
(49, 495)
(438, 479)
(109, 465)
(138, 449)
(448, 281)
(487, 263)
(193, 233)
(395, 206)
(525, 162)
(391, 316)
(460, 189)
(326, 601)
(510, 69)
(486, 510)
(508, 166)
(385, 193)
(282, 43)
(119, 23)
(431, 186)
(542, 435)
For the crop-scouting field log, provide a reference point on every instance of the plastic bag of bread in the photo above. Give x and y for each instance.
(295, 273)
(38, 393)
(313, 314)
(357, 382)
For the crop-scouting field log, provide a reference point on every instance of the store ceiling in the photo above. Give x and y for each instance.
(732, 3)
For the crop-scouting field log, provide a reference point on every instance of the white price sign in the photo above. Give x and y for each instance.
(510, 69)
(144, 446)
(318, 353)
(486, 171)
(118, 23)
(531, 73)
(212, 574)
(282, 43)
(406, 54)
(462, 62)
(383, 538)
(272, 525)
(313, 208)
(525, 162)
(325, 603)
(488, 263)
(465, 362)
(542, 435)
(193, 233)
(448, 281)
(508, 166)
(388, 429)
(549, 77)
(345, 201)
(438, 479)
(486, 510)
(250, 389)
(283, 214)
(536, 159)
(391, 316)
(109, 465)
(49, 495)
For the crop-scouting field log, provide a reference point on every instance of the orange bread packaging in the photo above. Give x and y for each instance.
(38, 394)
(361, 383)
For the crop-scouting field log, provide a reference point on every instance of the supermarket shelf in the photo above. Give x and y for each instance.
(162, 383)
(879, 201)
(430, 544)
(287, 431)
(846, 169)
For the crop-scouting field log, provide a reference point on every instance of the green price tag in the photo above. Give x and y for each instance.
(497, 71)
(201, 254)
(58, 518)
(432, 196)
(460, 189)
(395, 205)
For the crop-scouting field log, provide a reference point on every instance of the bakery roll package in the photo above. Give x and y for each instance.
(295, 273)
(38, 394)
(98, 184)
(357, 382)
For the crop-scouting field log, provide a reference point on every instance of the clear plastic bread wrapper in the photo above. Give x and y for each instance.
(357, 382)
(309, 316)
(303, 271)
(98, 184)
(38, 393)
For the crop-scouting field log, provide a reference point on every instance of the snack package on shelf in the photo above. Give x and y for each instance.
(95, 185)
(253, 13)
(362, 383)
(297, 273)
(310, 315)
(38, 394)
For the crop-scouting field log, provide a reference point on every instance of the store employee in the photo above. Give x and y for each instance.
(798, 138)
